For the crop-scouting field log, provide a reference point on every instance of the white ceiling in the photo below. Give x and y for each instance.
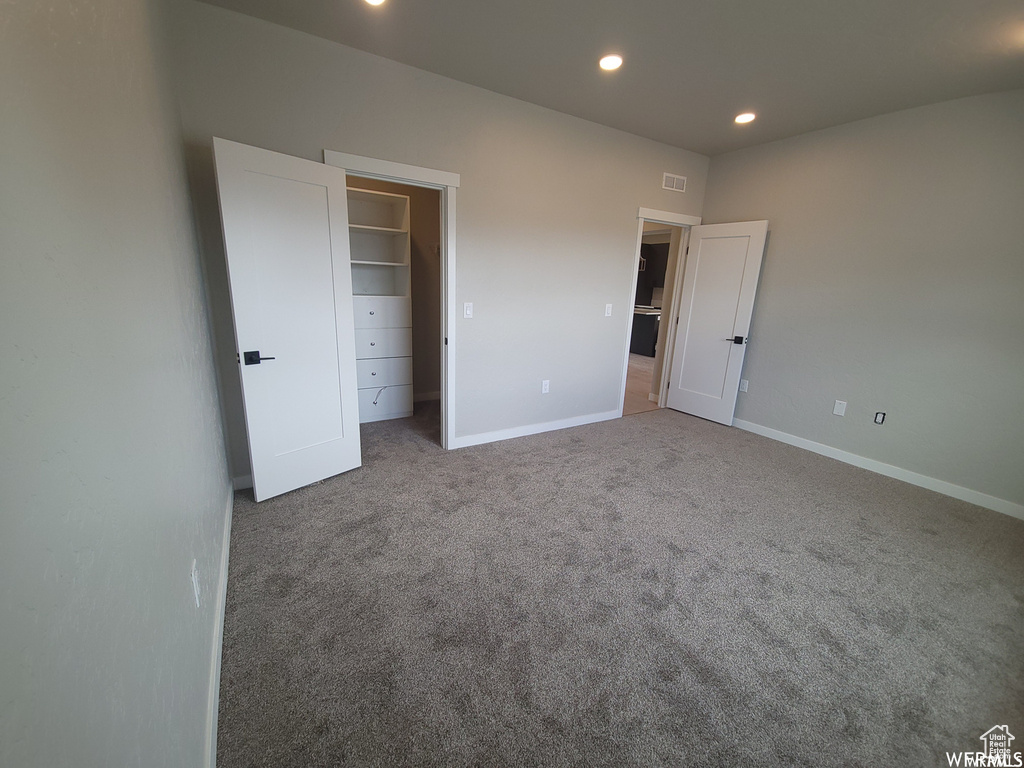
(691, 65)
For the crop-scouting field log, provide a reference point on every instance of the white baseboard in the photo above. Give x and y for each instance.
(424, 396)
(652, 397)
(923, 481)
(218, 642)
(531, 429)
(241, 482)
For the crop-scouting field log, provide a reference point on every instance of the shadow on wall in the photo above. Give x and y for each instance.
(202, 179)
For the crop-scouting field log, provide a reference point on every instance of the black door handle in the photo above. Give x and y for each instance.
(737, 340)
(253, 358)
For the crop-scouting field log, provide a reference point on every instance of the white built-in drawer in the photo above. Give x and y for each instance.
(383, 342)
(376, 372)
(382, 311)
(379, 403)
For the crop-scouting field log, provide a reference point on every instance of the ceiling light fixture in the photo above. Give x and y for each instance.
(610, 62)
(375, 2)
(746, 117)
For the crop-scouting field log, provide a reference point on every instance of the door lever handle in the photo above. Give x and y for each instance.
(253, 358)
(737, 339)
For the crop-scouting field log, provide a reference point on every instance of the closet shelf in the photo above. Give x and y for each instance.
(380, 230)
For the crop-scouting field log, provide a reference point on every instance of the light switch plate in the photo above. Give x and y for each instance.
(840, 409)
(467, 309)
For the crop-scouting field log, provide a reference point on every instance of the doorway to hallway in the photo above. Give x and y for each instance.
(638, 385)
(658, 248)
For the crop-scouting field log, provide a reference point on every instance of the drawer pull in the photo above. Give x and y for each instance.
(371, 311)
(379, 392)
(373, 373)
(373, 343)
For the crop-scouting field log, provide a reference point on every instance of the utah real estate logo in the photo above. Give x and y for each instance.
(997, 752)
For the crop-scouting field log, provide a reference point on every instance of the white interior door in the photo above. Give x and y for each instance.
(722, 268)
(285, 224)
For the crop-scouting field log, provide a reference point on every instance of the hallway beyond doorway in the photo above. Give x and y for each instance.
(638, 385)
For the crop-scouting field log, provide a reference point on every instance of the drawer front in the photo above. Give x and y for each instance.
(382, 311)
(392, 403)
(383, 342)
(378, 372)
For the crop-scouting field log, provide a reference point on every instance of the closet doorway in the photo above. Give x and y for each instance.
(437, 268)
(424, 291)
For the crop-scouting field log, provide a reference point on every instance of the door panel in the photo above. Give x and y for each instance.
(719, 284)
(296, 317)
(286, 241)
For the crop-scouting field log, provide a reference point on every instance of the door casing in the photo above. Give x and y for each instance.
(675, 220)
(447, 184)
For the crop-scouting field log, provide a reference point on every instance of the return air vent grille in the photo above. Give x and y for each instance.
(673, 182)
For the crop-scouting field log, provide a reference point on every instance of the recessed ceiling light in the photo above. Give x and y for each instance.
(746, 117)
(375, 2)
(610, 62)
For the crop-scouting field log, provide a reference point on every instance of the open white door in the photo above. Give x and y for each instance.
(285, 223)
(722, 268)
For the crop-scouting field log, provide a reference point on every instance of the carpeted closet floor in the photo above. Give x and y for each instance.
(651, 591)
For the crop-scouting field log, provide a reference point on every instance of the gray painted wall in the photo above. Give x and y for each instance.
(112, 466)
(546, 211)
(894, 280)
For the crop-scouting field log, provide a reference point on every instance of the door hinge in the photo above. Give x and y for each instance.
(237, 358)
(446, 341)
(687, 250)
(677, 321)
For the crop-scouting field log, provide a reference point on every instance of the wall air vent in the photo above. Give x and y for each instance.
(673, 182)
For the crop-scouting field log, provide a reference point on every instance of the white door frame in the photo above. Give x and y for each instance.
(643, 216)
(447, 184)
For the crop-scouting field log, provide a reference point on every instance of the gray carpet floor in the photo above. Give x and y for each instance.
(655, 590)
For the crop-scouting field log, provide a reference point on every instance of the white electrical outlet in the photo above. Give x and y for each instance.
(467, 309)
(607, 310)
(545, 387)
(195, 581)
(840, 408)
(743, 385)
